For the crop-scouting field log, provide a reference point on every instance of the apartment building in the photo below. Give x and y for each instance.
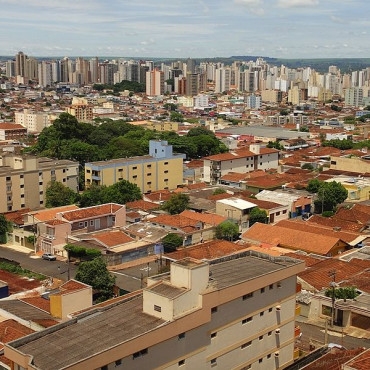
(32, 121)
(236, 312)
(12, 131)
(24, 179)
(239, 161)
(161, 169)
(154, 83)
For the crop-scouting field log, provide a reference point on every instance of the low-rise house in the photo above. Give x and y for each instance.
(296, 240)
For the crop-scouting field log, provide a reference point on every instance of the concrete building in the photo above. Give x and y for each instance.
(32, 121)
(154, 83)
(354, 96)
(24, 180)
(12, 131)
(237, 312)
(240, 161)
(161, 169)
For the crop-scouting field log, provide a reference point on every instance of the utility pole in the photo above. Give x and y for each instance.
(332, 274)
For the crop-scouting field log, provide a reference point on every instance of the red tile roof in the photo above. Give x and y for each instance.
(208, 250)
(112, 238)
(142, 205)
(91, 212)
(72, 285)
(39, 302)
(49, 214)
(183, 223)
(11, 330)
(17, 216)
(294, 239)
(207, 218)
(335, 222)
(361, 362)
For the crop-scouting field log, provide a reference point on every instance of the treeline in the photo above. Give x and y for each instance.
(84, 142)
(131, 86)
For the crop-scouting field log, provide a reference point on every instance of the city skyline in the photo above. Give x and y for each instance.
(178, 29)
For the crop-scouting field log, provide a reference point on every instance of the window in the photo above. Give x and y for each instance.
(165, 180)
(149, 183)
(140, 353)
(8, 178)
(181, 336)
(105, 367)
(157, 308)
(214, 362)
(87, 171)
(22, 195)
(40, 183)
(9, 208)
(279, 284)
(269, 333)
(21, 176)
(23, 205)
(260, 360)
(260, 337)
(149, 174)
(181, 362)
(269, 355)
(134, 177)
(262, 313)
(214, 309)
(120, 178)
(214, 335)
(80, 224)
(277, 213)
(165, 162)
(245, 345)
(134, 168)
(149, 166)
(246, 296)
(248, 319)
(118, 362)
(120, 169)
(262, 290)
(284, 212)
(85, 223)
(9, 188)
(271, 286)
(9, 197)
(166, 171)
(270, 309)
(91, 222)
(22, 186)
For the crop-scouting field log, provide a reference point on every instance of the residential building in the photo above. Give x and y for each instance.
(156, 171)
(32, 121)
(240, 161)
(12, 131)
(236, 312)
(360, 165)
(83, 112)
(354, 96)
(154, 83)
(25, 178)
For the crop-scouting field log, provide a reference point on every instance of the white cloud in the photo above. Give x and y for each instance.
(253, 6)
(297, 3)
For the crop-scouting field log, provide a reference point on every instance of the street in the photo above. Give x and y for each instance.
(57, 269)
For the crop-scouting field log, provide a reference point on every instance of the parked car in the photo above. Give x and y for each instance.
(49, 257)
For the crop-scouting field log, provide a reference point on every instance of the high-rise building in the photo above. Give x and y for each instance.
(45, 73)
(353, 97)
(154, 83)
(10, 68)
(20, 64)
(192, 84)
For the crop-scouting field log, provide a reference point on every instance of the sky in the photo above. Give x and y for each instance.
(186, 28)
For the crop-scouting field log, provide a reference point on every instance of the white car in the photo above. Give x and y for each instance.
(49, 257)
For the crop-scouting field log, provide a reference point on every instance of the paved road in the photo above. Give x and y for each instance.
(37, 264)
(316, 336)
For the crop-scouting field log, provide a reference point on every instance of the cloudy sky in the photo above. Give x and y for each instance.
(186, 28)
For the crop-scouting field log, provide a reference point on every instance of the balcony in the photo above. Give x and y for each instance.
(297, 309)
(48, 236)
(297, 331)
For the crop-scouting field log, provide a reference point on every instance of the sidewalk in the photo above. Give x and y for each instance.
(18, 248)
(338, 330)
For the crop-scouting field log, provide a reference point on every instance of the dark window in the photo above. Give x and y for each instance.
(134, 168)
(105, 367)
(214, 335)
(261, 313)
(333, 162)
(157, 308)
(118, 362)
(165, 162)
(140, 353)
(269, 333)
(214, 362)
(246, 296)
(262, 290)
(271, 286)
(269, 355)
(149, 166)
(244, 345)
(260, 360)
(21, 176)
(261, 337)
(181, 336)
(181, 362)
(214, 309)
(270, 309)
(87, 171)
(149, 174)
(166, 171)
(8, 178)
(248, 319)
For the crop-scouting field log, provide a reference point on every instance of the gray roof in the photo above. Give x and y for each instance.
(265, 131)
(104, 327)
(24, 311)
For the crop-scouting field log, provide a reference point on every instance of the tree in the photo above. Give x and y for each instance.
(348, 292)
(257, 215)
(176, 117)
(5, 227)
(329, 195)
(313, 186)
(59, 195)
(122, 192)
(171, 242)
(176, 204)
(227, 230)
(96, 274)
(76, 251)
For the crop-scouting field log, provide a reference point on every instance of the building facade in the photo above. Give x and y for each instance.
(24, 180)
(161, 169)
(233, 313)
(240, 161)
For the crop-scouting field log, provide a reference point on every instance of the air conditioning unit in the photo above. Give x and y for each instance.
(277, 354)
(277, 331)
(278, 308)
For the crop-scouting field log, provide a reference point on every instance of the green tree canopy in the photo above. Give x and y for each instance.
(329, 195)
(257, 215)
(348, 292)
(219, 191)
(227, 230)
(313, 185)
(171, 242)
(58, 195)
(122, 192)
(5, 227)
(176, 204)
(96, 274)
(75, 251)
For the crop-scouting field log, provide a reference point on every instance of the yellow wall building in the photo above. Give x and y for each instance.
(161, 169)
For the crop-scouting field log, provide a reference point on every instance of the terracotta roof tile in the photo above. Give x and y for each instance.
(207, 218)
(361, 362)
(111, 238)
(11, 330)
(158, 196)
(49, 214)
(183, 223)
(294, 239)
(17, 216)
(90, 212)
(72, 285)
(335, 222)
(39, 302)
(208, 250)
(142, 205)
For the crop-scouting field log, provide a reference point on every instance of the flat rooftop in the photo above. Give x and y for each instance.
(114, 323)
